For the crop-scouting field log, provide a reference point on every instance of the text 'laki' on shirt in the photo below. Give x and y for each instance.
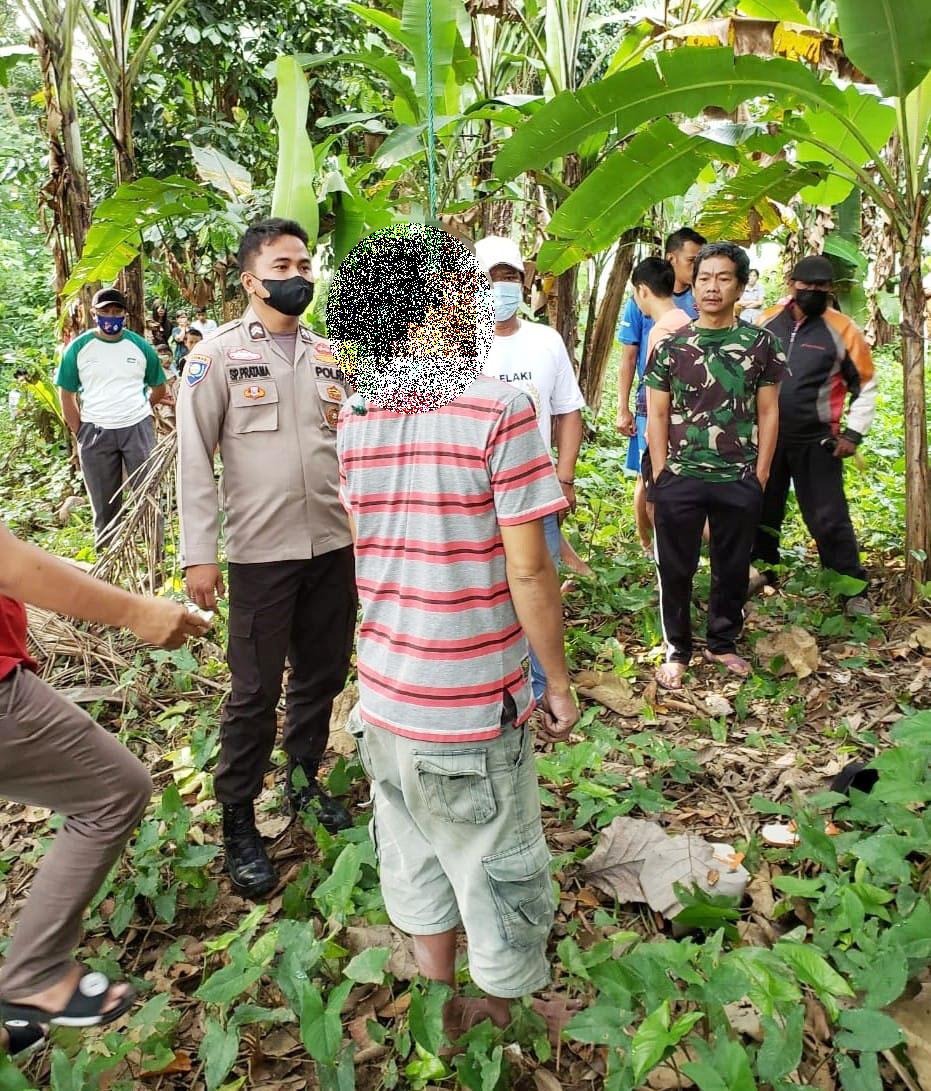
(112, 377)
(440, 645)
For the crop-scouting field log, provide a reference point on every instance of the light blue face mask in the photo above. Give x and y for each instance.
(506, 296)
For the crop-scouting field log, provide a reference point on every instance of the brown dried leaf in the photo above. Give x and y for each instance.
(609, 690)
(797, 647)
(401, 964)
(921, 637)
(181, 1062)
(272, 826)
(914, 1017)
(545, 1080)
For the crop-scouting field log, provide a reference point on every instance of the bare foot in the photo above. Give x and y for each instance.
(55, 997)
(731, 660)
(669, 675)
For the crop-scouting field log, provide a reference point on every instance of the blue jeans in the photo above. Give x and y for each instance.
(551, 532)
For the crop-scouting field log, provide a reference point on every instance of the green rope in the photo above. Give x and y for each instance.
(431, 119)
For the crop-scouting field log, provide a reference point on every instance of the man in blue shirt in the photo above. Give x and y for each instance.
(633, 333)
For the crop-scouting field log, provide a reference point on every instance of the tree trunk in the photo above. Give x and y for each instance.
(64, 201)
(566, 311)
(131, 279)
(595, 360)
(917, 518)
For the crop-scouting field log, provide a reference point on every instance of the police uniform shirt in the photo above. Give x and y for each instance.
(274, 420)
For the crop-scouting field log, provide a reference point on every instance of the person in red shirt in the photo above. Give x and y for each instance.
(52, 754)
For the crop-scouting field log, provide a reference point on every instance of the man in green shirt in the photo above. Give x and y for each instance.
(712, 423)
(109, 379)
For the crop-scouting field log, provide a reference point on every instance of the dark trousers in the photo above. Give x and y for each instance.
(681, 506)
(304, 611)
(106, 454)
(819, 487)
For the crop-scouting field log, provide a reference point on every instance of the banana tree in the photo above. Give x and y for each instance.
(838, 138)
(120, 54)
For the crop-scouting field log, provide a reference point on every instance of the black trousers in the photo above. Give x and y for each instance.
(819, 487)
(304, 611)
(681, 506)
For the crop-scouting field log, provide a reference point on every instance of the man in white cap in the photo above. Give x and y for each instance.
(533, 357)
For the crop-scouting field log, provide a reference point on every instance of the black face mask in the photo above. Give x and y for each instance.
(813, 302)
(291, 296)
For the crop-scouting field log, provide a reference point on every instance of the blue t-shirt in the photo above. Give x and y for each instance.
(634, 329)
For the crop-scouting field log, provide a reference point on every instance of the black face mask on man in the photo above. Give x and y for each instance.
(291, 296)
(812, 302)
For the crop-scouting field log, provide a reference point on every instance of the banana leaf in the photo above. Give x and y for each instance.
(294, 197)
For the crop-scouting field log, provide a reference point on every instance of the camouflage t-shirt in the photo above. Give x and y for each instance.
(712, 377)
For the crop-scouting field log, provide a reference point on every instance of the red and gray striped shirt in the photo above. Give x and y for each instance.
(440, 644)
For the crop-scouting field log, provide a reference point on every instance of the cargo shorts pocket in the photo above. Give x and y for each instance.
(455, 786)
(523, 893)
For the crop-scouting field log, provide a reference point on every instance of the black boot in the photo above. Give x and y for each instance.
(246, 859)
(331, 814)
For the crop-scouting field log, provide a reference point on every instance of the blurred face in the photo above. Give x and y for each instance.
(191, 340)
(752, 279)
(716, 287)
(182, 320)
(110, 310)
(683, 262)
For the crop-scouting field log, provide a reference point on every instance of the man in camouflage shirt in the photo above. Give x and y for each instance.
(712, 423)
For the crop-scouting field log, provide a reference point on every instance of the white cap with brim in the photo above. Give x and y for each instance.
(496, 250)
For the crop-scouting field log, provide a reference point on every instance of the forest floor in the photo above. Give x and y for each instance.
(816, 976)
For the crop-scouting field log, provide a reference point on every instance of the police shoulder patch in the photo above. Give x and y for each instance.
(196, 367)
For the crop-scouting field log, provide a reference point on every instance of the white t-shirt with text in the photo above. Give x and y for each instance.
(535, 360)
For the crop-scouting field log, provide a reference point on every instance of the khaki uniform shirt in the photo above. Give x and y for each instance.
(274, 420)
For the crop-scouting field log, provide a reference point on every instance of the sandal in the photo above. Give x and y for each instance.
(669, 675)
(84, 1009)
(730, 660)
(23, 1036)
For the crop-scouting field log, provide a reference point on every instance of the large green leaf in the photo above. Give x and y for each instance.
(783, 10)
(115, 234)
(658, 163)
(683, 81)
(294, 197)
(742, 208)
(888, 40)
(230, 177)
(873, 119)
(386, 67)
(10, 56)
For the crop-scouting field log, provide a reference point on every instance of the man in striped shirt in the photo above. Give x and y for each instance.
(454, 576)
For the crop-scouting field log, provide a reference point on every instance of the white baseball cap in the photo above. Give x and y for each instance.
(496, 250)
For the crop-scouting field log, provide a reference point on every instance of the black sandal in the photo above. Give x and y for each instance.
(23, 1036)
(84, 1009)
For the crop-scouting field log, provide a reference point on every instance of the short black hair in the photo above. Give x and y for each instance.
(725, 250)
(657, 274)
(20, 372)
(261, 233)
(679, 238)
(757, 271)
(389, 280)
(194, 333)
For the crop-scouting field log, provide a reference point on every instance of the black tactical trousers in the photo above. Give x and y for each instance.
(819, 488)
(681, 506)
(302, 611)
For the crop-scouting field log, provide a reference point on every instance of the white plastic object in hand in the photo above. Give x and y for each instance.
(204, 615)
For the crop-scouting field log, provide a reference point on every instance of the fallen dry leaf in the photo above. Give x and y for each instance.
(340, 741)
(914, 1017)
(637, 861)
(401, 964)
(181, 1062)
(921, 636)
(797, 647)
(272, 825)
(716, 705)
(610, 690)
(545, 1080)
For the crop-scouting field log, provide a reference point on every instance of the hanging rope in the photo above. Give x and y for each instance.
(431, 118)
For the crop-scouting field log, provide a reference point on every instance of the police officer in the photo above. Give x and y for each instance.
(266, 389)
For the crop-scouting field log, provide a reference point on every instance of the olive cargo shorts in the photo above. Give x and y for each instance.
(458, 836)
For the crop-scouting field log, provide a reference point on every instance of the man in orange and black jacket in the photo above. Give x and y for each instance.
(829, 369)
